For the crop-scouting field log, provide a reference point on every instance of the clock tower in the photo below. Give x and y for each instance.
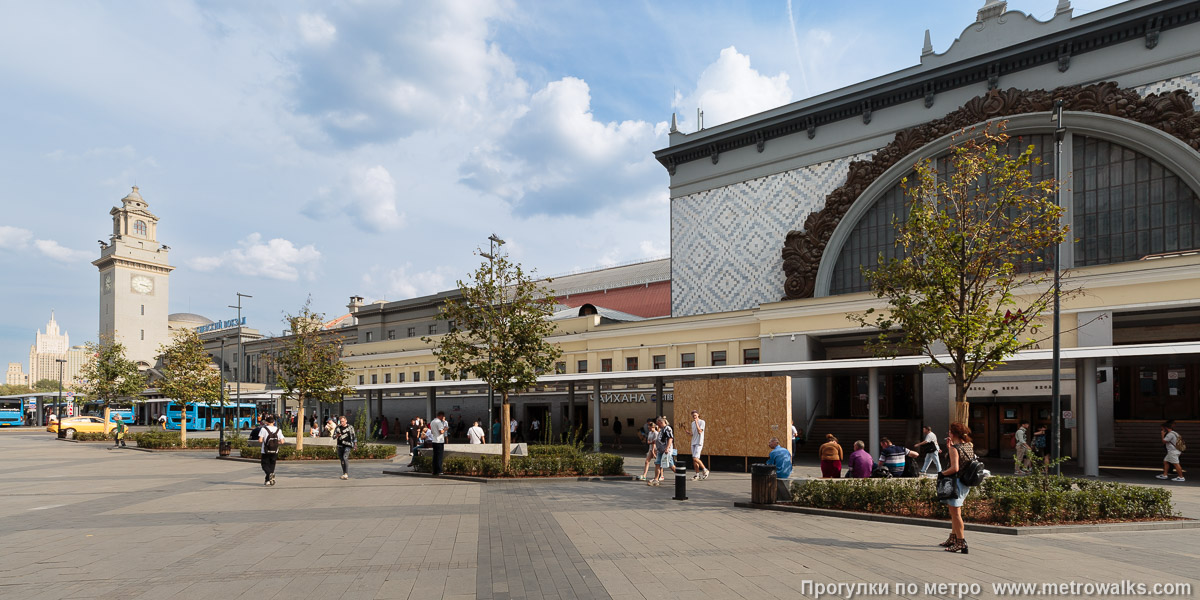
(133, 282)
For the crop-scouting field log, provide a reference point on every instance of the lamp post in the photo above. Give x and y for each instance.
(237, 372)
(1056, 375)
(60, 362)
(493, 241)
(221, 370)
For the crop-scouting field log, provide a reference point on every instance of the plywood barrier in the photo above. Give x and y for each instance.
(740, 414)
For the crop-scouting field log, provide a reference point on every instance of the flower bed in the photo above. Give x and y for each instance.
(363, 451)
(1032, 500)
(543, 461)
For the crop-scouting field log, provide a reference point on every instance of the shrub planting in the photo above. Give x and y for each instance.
(363, 451)
(1031, 500)
(93, 436)
(543, 461)
(160, 440)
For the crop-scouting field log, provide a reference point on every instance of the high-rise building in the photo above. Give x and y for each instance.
(133, 282)
(16, 375)
(47, 349)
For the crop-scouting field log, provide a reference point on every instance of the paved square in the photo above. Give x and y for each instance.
(83, 521)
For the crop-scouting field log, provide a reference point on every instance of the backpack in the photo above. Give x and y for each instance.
(1179, 445)
(972, 473)
(910, 467)
(272, 444)
(881, 472)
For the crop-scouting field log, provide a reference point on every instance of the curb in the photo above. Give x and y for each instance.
(980, 527)
(169, 450)
(307, 460)
(510, 479)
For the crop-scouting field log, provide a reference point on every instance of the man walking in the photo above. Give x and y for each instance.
(475, 434)
(162, 421)
(437, 429)
(666, 448)
(698, 446)
(119, 432)
(928, 446)
(1022, 464)
(347, 440)
(271, 438)
(617, 432)
(781, 459)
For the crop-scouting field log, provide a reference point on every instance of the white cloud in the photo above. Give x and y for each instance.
(14, 238)
(651, 249)
(557, 158)
(398, 283)
(59, 252)
(730, 89)
(275, 259)
(316, 29)
(367, 195)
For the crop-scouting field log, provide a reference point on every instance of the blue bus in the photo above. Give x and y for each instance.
(202, 417)
(12, 412)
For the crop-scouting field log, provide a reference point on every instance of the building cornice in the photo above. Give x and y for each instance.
(113, 261)
(1146, 22)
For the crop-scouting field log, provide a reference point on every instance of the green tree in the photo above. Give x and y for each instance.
(48, 385)
(108, 377)
(189, 375)
(501, 326)
(970, 282)
(309, 364)
(12, 390)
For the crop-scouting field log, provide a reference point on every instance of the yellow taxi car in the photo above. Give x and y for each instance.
(73, 425)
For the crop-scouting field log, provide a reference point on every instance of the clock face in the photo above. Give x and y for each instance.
(108, 282)
(141, 284)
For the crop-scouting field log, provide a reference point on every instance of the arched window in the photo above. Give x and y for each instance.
(139, 228)
(1127, 206)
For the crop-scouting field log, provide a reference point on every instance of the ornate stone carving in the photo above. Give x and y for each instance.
(866, 112)
(760, 140)
(1153, 29)
(1172, 113)
(714, 153)
(1064, 57)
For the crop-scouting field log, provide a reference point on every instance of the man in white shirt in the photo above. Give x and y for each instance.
(929, 447)
(475, 434)
(535, 428)
(268, 457)
(437, 432)
(698, 446)
(162, 421)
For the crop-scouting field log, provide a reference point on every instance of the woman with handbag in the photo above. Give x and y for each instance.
(831, 458)
(950, 490)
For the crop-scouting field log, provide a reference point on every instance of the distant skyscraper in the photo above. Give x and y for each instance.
(47, 349)
(16, 375)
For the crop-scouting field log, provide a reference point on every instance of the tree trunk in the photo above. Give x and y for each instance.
(505, 434)
(962, 408)
(106, 415)
(182, 425)
(300, 427)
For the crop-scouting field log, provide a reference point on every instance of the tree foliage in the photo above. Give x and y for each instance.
(501, 326)
(109, 377)
(14, 389)
(971, 281)
(189, 374)
(48, 385)
(309, 364)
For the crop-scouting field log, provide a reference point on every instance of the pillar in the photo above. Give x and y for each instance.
(431, 404)
(658, 396)
(873, 410)
(570, 407)
(1087, 424)
(596, 415)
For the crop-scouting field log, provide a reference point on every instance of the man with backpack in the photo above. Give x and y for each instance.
(346, 442)
(1175, 446)
(272, 439)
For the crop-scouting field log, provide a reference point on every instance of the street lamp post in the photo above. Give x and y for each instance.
(1056, 375)
(221, 370)
(60, 362)
(493, 241)
(237, 372)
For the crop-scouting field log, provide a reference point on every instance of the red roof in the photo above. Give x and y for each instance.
(646, 300)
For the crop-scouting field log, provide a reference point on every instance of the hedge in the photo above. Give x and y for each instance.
(92, 436)
(543, 461)
(1031, 500)
(168, 439)
(376, 451)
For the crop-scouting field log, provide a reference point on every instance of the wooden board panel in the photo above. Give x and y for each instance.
(741, 414)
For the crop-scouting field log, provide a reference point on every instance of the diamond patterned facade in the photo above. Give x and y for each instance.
(1190, 83)
(725, 241)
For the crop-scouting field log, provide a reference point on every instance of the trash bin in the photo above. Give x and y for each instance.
(225, 448)
(763, 488)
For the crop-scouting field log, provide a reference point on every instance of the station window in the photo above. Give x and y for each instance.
(412, 332)
(416, 376)
(374, 379)
(631, 363)
(432, 375)
(370, 335)
(453, 325)
(360, 380)
(581, 366)
(139, 228)
(391, 334)
(143, 334)
(659, 361)
(750, 356)
(143, 310)
(718, 358)
(687, 359)
(387, 377)
(606, 365)
(399, 377)
(433, 329)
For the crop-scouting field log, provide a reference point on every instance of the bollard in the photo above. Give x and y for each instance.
(680, 480)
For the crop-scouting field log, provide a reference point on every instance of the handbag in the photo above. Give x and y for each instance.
(947, 488)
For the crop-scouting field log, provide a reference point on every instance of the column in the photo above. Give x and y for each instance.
(658, 396)
(1087, 424)
(570, 406)
(873, 410)
(596, 415)
(431, 404)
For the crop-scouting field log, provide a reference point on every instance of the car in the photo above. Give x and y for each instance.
(73, 425)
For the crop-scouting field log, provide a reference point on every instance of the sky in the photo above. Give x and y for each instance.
(296, 150)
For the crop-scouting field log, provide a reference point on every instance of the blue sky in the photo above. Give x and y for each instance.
(330, 149)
